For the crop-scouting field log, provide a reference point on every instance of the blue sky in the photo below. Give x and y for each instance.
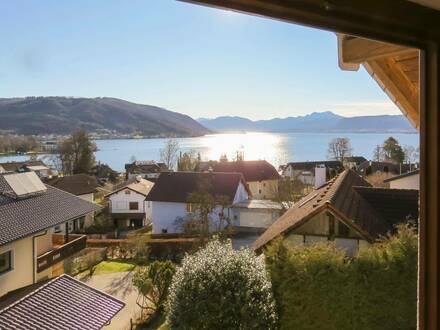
(191, 59)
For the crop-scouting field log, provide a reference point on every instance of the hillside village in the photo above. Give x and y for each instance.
(67, 225)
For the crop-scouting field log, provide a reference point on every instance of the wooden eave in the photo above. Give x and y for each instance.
(395, 68)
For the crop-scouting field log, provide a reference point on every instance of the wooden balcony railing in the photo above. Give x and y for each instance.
(61, 251)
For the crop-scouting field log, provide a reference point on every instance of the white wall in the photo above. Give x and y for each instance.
(88, 221)
(256, 218)
(265, 189)
(22, 259)
(408, 182)
(165, 214)
(120, 202)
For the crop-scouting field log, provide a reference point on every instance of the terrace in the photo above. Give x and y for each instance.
(64, 246)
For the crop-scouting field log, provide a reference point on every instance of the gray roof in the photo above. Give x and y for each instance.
(62, 303)
(27, 216)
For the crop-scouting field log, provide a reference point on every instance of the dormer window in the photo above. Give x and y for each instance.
(127, 192)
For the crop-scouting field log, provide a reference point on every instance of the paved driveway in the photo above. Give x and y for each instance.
(119, 286)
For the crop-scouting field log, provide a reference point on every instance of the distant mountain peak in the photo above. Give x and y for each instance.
(325, 121)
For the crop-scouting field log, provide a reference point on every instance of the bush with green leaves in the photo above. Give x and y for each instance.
(317, 287)
(153, 283)
(219, 288)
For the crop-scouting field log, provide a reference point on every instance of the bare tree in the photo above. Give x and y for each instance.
(411, 154)
(339, 149)
(168, 154)
(377, 153)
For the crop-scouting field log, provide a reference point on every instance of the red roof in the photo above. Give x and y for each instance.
(252, 170)
(178, 186)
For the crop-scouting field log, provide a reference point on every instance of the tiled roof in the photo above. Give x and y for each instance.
(178, 186)
(23, 217)
(252, 170)
(15, 166)
(370, 211)
(77, 184)
(308, 166)
(139, 167)
(62, 304)
(141, 186)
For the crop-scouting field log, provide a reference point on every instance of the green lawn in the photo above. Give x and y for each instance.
(107, 267)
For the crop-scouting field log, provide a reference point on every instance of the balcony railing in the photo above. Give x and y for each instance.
(61, 250)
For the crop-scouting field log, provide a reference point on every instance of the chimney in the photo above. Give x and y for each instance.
(320, 176)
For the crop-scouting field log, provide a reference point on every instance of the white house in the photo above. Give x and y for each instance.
(410, 180)
(347, 211)
(306, 171)
(170, 199)
(31, 215)
(147, 169)
(127, 204)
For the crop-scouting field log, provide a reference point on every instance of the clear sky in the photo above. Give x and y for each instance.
(191, 59)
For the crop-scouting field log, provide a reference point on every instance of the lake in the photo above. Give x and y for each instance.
(276, 148)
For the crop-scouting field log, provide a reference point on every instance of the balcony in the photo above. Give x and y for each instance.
(61, 250)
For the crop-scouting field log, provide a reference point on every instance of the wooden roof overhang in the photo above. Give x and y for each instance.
(395, 68)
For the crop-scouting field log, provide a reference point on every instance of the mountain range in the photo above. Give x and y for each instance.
(327, 122)
(63, 115)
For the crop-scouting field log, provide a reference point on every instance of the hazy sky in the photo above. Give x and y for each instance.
(195, 60)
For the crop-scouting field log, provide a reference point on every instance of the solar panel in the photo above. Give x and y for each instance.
(25, 183)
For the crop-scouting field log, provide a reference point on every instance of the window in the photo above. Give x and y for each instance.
(57, 229)
(5, 262)
(127, 192)
(134, 206)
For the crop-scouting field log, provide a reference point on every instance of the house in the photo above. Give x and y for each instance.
(60, 303)
(346, 210)
(170, 200)
(261, 177)
(307, 172)
(37, 166)
(37, 223)
(409, 180)
(82, 185)
(371, 167)
(127, 204)
(148, 169)
(353, 161)
(254, 215)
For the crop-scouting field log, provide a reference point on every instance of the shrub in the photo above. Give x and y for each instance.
(219, 288)
(316, 287)
(153, 283)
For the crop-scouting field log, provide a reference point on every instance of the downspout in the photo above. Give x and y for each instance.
(34, 257)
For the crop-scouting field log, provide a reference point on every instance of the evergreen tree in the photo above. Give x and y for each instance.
(392, 151)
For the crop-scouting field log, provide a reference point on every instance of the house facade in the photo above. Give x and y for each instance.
(147, 169)
(35, 236)
(306, 172)
(347, 211)
(171, 204)
(410, 180)
(371, 167)
(127, 204)
(255, 215)
(262, 178)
